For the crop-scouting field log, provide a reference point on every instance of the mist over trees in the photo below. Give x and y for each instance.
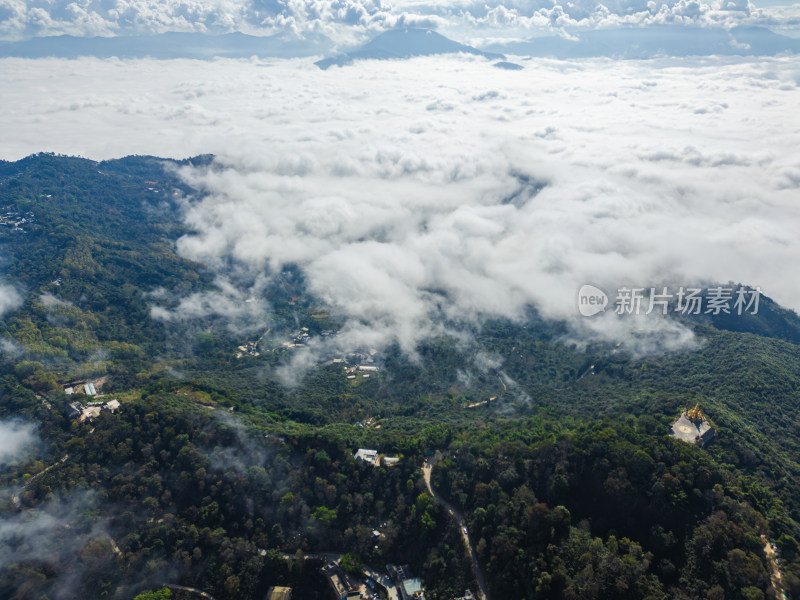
(217, 475)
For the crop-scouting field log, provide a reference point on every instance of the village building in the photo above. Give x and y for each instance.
(73, 410)
(91, 412)
(278, 592)
(76, 410)
(370, 456)
(340, 585)
(88, 388)
(410, 587)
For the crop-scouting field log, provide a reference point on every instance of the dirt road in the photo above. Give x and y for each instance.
(775, 574)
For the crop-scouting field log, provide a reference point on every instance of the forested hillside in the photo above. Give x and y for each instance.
(216, 473)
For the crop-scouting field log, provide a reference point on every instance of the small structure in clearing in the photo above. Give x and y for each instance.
(279, 593)
(370, 456)
(692, 427)
(373, 458)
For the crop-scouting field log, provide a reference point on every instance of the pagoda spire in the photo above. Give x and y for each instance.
(695, 414)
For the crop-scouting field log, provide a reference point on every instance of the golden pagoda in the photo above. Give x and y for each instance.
(692, 427)
(695, 415)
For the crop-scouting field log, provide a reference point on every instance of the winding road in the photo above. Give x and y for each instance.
(427, 469)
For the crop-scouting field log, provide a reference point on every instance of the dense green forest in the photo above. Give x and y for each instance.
(216, 474)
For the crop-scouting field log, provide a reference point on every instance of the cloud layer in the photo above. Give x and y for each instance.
(437, 190)
(349, 20)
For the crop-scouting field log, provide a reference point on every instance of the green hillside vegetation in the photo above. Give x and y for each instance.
(213, 471)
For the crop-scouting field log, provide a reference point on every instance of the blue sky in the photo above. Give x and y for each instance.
(353, 20)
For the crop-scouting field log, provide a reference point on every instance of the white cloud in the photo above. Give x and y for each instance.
(402, 219)
(241, 313)
(10, 298)
(16, 437)
(10, 348)
(50, 301)
(350, 20)
(58, 528)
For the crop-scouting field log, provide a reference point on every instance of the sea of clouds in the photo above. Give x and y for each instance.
(438, 190)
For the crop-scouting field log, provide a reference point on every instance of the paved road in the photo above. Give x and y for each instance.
(40, 473)
(15, 500)
(427, 469)
(192, 590)
(329, 556)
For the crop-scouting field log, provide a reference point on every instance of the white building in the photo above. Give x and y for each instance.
(370, 456)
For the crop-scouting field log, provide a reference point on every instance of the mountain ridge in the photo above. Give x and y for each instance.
(404, 43)
(653, 41)
(171, 45)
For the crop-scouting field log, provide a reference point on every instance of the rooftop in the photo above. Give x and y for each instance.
(412, 586)
(279, 593)
(370, 456)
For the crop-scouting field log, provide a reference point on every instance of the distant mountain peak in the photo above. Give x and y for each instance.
(404, 43)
